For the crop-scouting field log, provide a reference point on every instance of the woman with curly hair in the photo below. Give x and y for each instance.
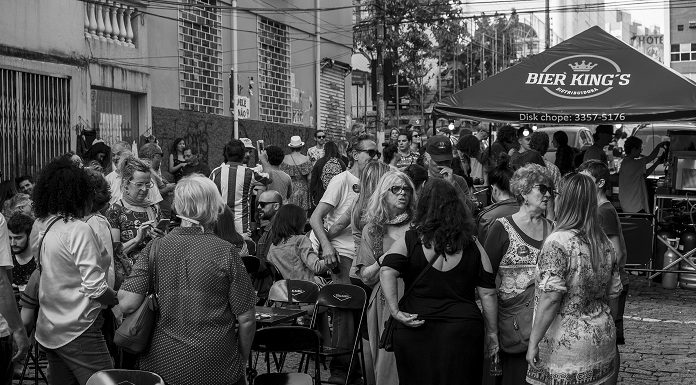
(439, 330)
(327, 167)
(387, 217)
(177, 161)
(73, 286)
(513, 245)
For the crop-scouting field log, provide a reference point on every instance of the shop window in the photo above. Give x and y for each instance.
(680, 27)
(115, 114)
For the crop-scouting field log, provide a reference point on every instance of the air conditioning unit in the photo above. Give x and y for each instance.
(692, 24)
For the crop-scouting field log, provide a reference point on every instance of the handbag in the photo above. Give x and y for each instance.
(386, 340)
(515, 317)
(135, 332)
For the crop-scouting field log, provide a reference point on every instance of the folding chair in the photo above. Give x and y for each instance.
(293, 292)
(33, 357)
(342, 297)
(125, 377)
(287, 339)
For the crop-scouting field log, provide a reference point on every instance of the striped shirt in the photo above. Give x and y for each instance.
(236, 184)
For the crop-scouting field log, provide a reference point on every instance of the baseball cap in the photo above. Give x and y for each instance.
(439, 148)
(247, 143)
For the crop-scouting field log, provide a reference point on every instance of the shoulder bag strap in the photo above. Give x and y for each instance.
(420, 276)
(38, 251)
(152, 264)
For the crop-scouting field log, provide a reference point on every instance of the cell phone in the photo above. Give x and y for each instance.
(163, 224)
(260, 145)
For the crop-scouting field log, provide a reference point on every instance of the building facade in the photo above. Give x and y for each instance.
(72, 71)
(680, 27)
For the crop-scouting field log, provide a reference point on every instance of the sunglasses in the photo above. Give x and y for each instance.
(371, 153)
(543, 189)
(263, 204)
(321, 136)
(396, 190)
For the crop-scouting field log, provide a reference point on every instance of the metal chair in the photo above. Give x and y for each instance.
(287, 339)
(339, 296)
(293, 292)
(125, 377)
(251, 264)
(33, 357)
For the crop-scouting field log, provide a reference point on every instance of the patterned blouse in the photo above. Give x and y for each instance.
(128, 221)
(203, 287)
(579, 346)
(514, 256)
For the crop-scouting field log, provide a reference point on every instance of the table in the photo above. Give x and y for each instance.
(271, 316)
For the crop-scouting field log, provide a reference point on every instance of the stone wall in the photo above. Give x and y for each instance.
(207, 134)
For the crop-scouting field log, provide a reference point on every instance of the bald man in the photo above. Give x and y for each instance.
(268, 204)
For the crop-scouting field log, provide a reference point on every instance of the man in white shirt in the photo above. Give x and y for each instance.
(331, 231)
(633, 193)
(11, 327)
(317, 152)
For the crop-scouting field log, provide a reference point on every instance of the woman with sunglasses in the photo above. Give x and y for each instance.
(513, 245)
(133, 218)
(387, 217)
(574, 334)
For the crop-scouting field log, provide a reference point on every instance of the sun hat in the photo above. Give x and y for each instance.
(247, 143)
(295, 142)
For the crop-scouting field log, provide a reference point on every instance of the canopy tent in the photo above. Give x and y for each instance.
(591, 78)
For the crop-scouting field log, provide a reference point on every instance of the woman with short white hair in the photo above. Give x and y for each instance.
(203, 288)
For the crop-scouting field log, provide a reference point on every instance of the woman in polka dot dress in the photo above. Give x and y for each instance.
(203, 288)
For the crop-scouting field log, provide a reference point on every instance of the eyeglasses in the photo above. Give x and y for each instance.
(263, 204)
(371, 153)
(396, 190)
(543, 189)
(141, 185)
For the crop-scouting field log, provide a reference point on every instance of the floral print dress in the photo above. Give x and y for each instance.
(300, 185)
(580, 345)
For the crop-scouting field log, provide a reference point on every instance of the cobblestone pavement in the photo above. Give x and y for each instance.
(660, 332)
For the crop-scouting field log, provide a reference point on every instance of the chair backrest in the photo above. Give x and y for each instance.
(275, 273)
(125, 377)
(286, 339)
(342, 296)
(294, 291)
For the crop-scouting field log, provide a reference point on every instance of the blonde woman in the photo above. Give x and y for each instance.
(387, 217)
(369, 178)
(577, 274)
(203, 289)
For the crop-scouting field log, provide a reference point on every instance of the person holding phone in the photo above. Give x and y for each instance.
(134, 216)
(438, 160)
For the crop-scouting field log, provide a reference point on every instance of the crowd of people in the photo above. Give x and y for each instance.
(527, 289)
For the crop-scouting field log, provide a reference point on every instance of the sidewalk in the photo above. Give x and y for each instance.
(660, 332)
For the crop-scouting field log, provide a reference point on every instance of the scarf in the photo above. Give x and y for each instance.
(146, 203)
(378, 231)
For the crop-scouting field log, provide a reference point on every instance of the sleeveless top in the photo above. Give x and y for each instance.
(518, 266)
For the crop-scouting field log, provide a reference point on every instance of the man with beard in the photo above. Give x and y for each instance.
(25, 184)
(23, 260)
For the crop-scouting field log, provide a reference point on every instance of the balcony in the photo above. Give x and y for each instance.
(110, 22)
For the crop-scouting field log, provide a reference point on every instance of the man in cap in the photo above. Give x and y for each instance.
(602, 137)
(438, 160)
(248, 149)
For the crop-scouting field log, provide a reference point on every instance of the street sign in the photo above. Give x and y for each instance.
(242, 105)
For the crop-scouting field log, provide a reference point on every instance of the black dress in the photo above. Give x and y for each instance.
(448, 348)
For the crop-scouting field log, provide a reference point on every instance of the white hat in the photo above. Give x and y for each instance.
(247, 143)
(295, 142)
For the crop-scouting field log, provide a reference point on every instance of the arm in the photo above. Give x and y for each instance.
(247, 329)
(489, 300)
(128, 301)
(127, 247)
(387, 277)
(85, 248)
(136, 286)
(317, 223)
(365, 259)
(340, 224)
(546, 311)
(309, 257)
(8, 309)
(172, 168)
(653, 155)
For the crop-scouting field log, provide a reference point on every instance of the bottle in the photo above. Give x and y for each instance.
(495, 369)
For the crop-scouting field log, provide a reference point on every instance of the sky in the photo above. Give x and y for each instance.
(648, 17)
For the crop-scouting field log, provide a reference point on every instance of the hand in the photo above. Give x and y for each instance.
(156, 233)
(447, 173)
(492, 343)
(533, 356)
(408, 319)
(21, 341)
(140, 234)
(328, 253)
(263, 157)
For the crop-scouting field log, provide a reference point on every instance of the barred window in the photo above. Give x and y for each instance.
(274, 72)
(200, 57)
